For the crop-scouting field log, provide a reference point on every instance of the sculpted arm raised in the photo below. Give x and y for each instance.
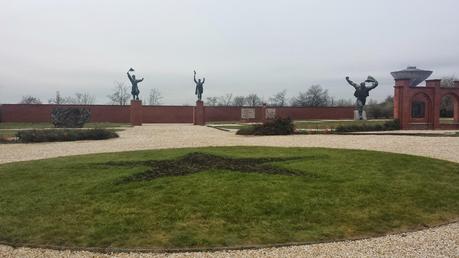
(375, 83)
(195, 77)
(353, 84)
(129, 76)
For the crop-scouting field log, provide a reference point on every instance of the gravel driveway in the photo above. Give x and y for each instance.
(436, 242)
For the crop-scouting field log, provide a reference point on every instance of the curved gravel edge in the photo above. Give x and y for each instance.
(442, 241)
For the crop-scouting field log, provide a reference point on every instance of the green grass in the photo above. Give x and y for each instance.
(7, 133)
(76, 202)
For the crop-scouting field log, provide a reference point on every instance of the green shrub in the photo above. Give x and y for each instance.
(70, 117)
(278, 126)
(64, 135)
(387, 126)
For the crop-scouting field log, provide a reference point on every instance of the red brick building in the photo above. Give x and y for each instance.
(419, 107)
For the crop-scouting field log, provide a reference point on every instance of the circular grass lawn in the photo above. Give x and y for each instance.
(222, 197)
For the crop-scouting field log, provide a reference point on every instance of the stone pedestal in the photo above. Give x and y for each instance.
(136, 112)
(199, 113)
(356, 115)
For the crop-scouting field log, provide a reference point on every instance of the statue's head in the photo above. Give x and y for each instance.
(362, 85)
(199, 80)
(133, 77)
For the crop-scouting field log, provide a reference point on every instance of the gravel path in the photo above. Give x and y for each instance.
(437, 242)
(176, 136)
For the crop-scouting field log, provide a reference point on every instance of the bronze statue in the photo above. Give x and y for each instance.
(362, 92)
(135, 89)
(199, 86)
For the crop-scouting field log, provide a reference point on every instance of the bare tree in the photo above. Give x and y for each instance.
(155, 97)
(239, 101)
(80, 98)
(448, 81)
(225, 100)
(301, 100)
(83, 98)
(279, 99)
(383, 109)
(253, 100)
(315, 96)
(211, 101)
(30, 100)
(341, 102)
(58, 99)
(120, 95)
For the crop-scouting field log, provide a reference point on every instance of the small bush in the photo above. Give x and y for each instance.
(278, 126)
(387, 126)
(64, 135)
(70, 117)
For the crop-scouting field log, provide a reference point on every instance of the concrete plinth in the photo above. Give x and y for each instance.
(136, 112)
(199, 113)
(357, 117)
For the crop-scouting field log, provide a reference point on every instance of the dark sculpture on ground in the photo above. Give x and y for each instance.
(70, 117)
(135, 89)
(199, 86)
(198, 162)
(362, 92)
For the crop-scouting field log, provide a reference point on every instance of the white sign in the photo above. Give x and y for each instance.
(247, 113)
(270, 113)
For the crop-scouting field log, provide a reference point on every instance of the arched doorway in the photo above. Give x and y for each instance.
(449, 109)
(421, 111)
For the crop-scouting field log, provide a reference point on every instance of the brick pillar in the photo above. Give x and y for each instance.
(199, 113)
(401, 103)
(436, 101)
(263, 113)
(456, 110)
(456, 104)
(398, 93)
(136, 112)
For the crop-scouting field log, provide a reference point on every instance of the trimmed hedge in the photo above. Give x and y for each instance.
(56, 135)
(278, 126)
(387, 126)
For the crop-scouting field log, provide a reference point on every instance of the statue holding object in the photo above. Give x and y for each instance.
(135, 88)
(362, 92)
(199, 86)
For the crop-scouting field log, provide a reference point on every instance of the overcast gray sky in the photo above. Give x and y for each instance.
(240, 46)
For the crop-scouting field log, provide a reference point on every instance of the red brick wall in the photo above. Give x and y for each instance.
(306, 113)
(42, 113)
(222, 114)
(166, 114)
